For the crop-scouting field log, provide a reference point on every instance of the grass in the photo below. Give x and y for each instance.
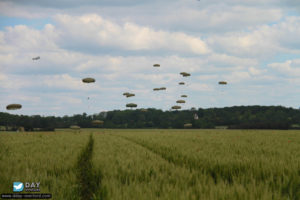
(154, 164)
(46, 157)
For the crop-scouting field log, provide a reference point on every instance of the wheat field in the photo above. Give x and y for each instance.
(154, 163)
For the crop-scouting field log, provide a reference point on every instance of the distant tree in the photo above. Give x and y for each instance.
(244, 117)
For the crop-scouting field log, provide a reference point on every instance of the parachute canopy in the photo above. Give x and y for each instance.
(188, 125)
(180, 101)
(156, 89)
(74, 127)
(36, 58)
(156, 65)
(97, 122)
(222, 83)
(13, 106)
(185, 74)
(183, 95)
(131, 105)
(88, 80)
(126, 93)
(176, 107)
(130, 95)
(163, 88)
(181, 83)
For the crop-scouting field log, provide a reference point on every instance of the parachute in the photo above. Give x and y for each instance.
(131, 105)
(222, 83)
(156, 89)
(75, 127)
(156, 65)
(126, 93)
(185, 74)
(181, 83)
(176, 107)
(36, 58)
(184, 95)
(162, 88)
(188, 125)
(97, 122)
(13, 106)
(88, 80)
(180, 101)
(130, 95)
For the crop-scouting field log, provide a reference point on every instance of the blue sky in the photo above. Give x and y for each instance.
(253, 45)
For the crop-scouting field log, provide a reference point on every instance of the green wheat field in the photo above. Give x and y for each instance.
(154, 164)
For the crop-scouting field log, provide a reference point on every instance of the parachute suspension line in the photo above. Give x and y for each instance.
(221, 88)
(157, 89)
(88, 81)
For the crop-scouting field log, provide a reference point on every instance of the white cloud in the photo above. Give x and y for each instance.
(198, 87)
(93, 30)
(261, 42)
(255, 71)
(288, 68)
(10, 9)
(229, 40)
(25, 38)
(63, 100)
(14, 83)
(64, 81)
(238, 76)
(210, 18)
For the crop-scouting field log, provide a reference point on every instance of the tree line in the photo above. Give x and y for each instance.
(236, 117)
